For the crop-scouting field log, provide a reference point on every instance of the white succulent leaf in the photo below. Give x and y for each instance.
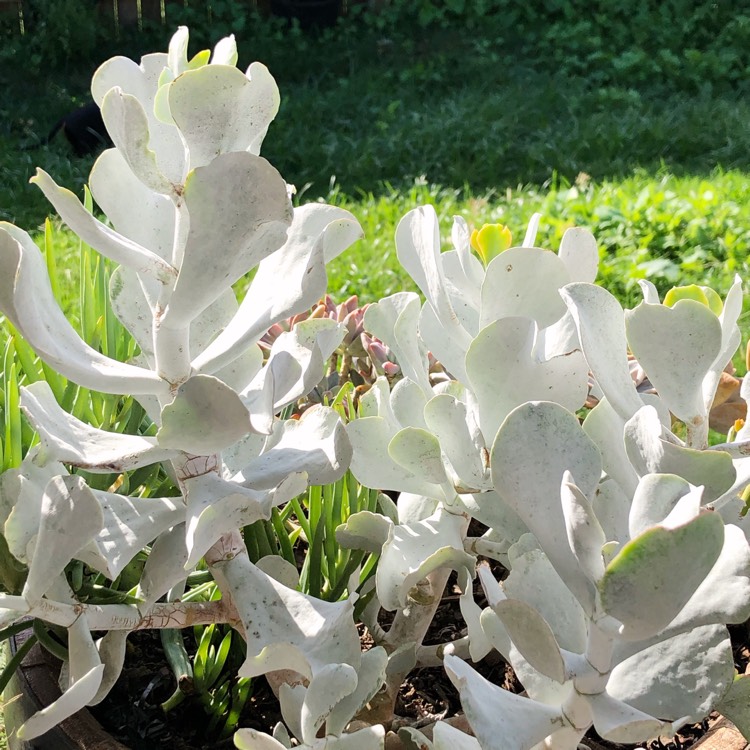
(446, 737)
(649, 291)
(418, 250)
(252, 229)
(216, 506)
(493, 712)
(165, 565)
(579, 253)
(585, 534)
(654, 576)
(317, 443)
(132, 300)
(463, 290)
(395, 321)
(447, 349)
(128, 125)
(612, 508)
(280, 569)
(369, 738)
(408, 401)
(524, 282)
(650, 453)
(557, 340)
(70, 517)
(205, 417)
(504, 373)
(681, 677)
(655, 498)
(218, 109)
(473, 271)
(617, 721)
(39, 319)
(490, 509)
(318, 233)
(413, 507)
(418, 452)
(601, 328)
(177, 59)
(225, 51)
(461, 441)
(677, 359)
(606, 427)
(365, 530)
(285, 628)
(252, 739)
(111, 648)
(536, 444)
(372, 464)
(479, 643)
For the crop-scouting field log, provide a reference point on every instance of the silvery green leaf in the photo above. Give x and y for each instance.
(682, 677)
(418, 250)
(412, 551)
(177, 59)
(460, 439)
(654, 499)
(617, 721)
(225, 51)
(601, 328)
(394, 320)
(535, 446)
(216, 507)
(493, 712)
(463, 288)
(280, 569)
(317, 443)
(129, 524)
(649, 453)
(112, 654)
(131, 301)
(286, 629)
(372, 465)
(408, 401)
(70, 518)
(504, 374)
(654, 576)
(38, 318)
(612, 507)
(370, 678)
(318, 234)
(447, 349)
(376, 402)
(606, 428)
(491, 510)
(479, 643)
(579, 253)
(585, 534)
(142, 81)
(532, 636)
(524, 282)
(205, 417)
(218, 109)
(252, 229)
(676, 346)
(165, 565)
(413, 507)
(735, 704)
(70, 702)
(473, 271)
(128, 126)
(252, 739)
(649, 291)
(533, 580)
(446, 737)
(418, 452)
(68, 439)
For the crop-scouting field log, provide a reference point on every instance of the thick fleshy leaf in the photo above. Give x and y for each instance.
(408, 400)
(414, 550)
(585, 534)
(112, 654)
(101, 237)
(524, 282)
(318, 234)
(40, 321)
(676, 346)
(67, 439)
(219, 109)
(463, 291)
(205, 417)
(619, 722)
(649, 453)
(252, 739)
(536, 445)
(446, 737)
(735, 704)
(579, 253)
(286, 629)
(327, 688)
(494, 712)
(449, 350)
(601, 328)
(612, 507)
(136, 212)
(532, 636)
(317, 443)
(504, 373)
(70, 518)
(418, 451)
(681, 677)
(394, 320)
(365, 530)
(252, 229)
(128, 126)
(372, 465)
(654, 500)
(654, 576)
(460, 440)
(165, 565)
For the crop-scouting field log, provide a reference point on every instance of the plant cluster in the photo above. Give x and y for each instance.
(560, 436)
